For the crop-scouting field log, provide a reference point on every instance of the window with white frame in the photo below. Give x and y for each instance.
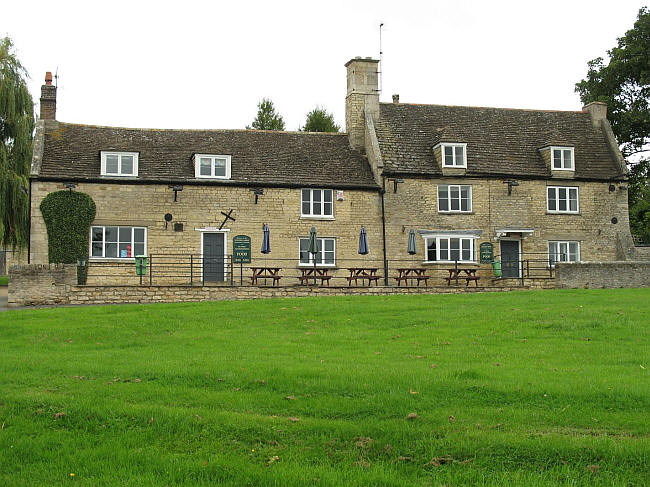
(559, 251)
(326, 255)
(119, 163)
(454, 198)
(562, 158)
(212, 166)
(454, 155)
(562, 199)
(449, 248)
(317, 203)
(117, 242)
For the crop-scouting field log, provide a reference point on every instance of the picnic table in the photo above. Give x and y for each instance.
(266, 273)
(469, 276)
(417, 273)
(363, 273)
(312, 274)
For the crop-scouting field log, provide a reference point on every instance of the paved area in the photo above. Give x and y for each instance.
(3, 298)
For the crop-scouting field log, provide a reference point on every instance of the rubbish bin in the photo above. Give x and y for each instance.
(496, 267)
(140, 265)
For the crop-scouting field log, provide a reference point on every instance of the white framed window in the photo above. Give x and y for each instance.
(119, 163)
(454, 198)
(449, 248)
(563, 251)
(326, 256)
(453, 155)
(113, 242)
(316, 203)
(562, 199)
(210, 166)
(562, 158)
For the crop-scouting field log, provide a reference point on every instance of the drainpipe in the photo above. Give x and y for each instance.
(29, 223)
(383, 226)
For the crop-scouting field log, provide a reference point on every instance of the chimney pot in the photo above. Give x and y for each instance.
(396, 98)
(48, 78)
(48, 98)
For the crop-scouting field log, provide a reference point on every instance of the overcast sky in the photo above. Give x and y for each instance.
(187, 64)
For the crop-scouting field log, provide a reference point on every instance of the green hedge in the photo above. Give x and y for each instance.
(67, 215)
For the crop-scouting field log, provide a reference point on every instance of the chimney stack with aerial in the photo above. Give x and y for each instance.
(362, 98)
(395, 99)
(48, 98)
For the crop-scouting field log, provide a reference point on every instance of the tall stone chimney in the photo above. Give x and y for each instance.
(597, 111)
(362, 97)
(48, 99)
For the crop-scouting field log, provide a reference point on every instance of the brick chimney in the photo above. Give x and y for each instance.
(395, 99)
(48, 98)
(363, 93)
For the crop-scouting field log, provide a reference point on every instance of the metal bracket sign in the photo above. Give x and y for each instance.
(241, 249)
(486, 251)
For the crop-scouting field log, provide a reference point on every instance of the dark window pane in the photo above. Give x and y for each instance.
(111, 234)
(205, 167)
(138, 249)
(97, 249)
(460, 159)
(111, 250)
(111, 164)
(138, 235)
(127, 164)
(125, 234)
(98, 234)
(431, 250)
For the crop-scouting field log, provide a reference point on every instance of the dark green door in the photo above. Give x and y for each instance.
(510, 258)
(213, 257)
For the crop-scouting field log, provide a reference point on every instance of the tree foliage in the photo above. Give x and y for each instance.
(67, 215)
(16, 128)
(267, 118)
(318, 120)
(624, 84)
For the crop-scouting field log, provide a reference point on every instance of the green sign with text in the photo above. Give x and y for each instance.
(241, 249)
(486, 250)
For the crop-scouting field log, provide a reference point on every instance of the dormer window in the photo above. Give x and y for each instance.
(562, 158)
(119, 164)
(212, 166)
(454, 155)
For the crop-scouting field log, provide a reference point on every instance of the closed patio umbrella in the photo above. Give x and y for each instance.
(266, 240)
(412, 249)
(314, 248)
(363, 242)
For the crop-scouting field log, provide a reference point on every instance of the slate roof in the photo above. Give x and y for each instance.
(500, 142)
(258, 157)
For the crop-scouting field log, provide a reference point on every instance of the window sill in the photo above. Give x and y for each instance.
(308, 217)
(112, 259)
(447, 262)
(574, 213)
(453, 212)
(120, 176)
(318, 266)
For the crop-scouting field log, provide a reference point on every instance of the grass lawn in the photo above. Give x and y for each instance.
(520, 388)
(4, 280)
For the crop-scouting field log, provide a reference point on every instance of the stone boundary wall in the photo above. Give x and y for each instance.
(603, 274)
(40, 284)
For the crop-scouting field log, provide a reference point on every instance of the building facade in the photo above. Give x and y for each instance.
(536, 186)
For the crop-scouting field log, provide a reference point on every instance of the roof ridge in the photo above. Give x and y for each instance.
(145, 129)
(483, 107)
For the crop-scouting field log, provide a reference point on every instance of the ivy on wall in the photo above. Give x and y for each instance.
(67, 215)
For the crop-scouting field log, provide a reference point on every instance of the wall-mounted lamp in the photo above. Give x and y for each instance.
(511, 183)
(396, 181)
(257, 192)
(70, 186)
(176, 188)
(612, 188)
(168, 218)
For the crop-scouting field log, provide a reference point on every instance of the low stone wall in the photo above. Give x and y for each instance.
(39, 284)
(602, 274)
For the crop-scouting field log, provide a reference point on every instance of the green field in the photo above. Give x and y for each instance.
(4, 280)
(520, 388)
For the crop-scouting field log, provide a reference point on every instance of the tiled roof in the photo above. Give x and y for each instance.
(500, 142)
(258, 157)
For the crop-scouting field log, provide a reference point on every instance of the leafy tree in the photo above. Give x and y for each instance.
(318, 120)
(624, 84)
(16, 128)
(267, 118)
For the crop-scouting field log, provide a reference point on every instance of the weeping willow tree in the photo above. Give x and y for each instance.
(16, 128)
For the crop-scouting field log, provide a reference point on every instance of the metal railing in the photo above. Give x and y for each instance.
(195, 270)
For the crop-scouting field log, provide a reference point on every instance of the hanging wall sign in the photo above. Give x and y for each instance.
(241, 249)
(486, 251)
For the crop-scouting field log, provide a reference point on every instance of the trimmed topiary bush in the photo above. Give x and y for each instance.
(67, 215)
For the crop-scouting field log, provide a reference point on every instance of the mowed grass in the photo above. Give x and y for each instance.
(520, 388)
(4, 280)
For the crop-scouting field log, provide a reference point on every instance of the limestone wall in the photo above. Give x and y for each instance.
(40, 284)
(603, 274)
